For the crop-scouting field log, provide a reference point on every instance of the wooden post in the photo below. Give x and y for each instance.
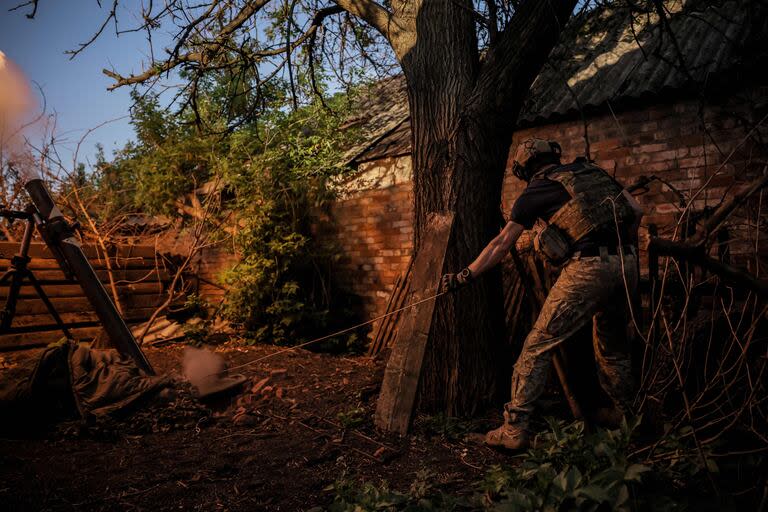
(401, 377)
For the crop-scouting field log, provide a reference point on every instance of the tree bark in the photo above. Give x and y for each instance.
(463, 112)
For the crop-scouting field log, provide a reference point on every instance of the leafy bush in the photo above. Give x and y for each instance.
(281, 290)
(168, 160)
(278, 173)
(568, 469)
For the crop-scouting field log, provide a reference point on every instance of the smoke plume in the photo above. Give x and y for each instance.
(16, 103)
(202, 368)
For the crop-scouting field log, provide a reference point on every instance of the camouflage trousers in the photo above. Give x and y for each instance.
(588, 289)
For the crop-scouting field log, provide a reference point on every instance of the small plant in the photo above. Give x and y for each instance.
(446, 427)
(352, 418)
(196, 333)
(352, 496)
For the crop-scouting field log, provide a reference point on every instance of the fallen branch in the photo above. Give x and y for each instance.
(690, 253)
(727, 208)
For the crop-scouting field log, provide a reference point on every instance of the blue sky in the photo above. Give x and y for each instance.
(77, 89)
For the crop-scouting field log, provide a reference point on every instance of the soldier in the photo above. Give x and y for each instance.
(591, 227)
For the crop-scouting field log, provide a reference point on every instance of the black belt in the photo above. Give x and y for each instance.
(590, 252)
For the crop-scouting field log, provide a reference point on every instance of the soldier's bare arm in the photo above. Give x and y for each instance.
(491, 256)
(495, 251)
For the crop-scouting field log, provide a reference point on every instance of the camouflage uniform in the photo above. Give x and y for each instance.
(589, 289)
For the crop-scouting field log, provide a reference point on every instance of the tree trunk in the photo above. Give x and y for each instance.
(462, 120)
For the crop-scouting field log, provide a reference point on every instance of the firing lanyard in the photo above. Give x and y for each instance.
(332, 335)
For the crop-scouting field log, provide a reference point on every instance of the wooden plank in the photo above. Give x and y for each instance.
(394, 327)
(41, 339)
(382, 328)
(401, 377)
(75, 304)
(37, 264)
(56, 276)
(74, 290)
(41, 250)
(45, 320)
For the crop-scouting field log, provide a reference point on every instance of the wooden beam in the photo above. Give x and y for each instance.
(35, 306)
(401, 377)
(98, 264)
(150, 275)
(29, 323)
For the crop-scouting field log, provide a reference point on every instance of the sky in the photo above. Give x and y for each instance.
(76, 89)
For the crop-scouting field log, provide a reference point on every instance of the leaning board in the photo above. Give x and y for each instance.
(401, 377)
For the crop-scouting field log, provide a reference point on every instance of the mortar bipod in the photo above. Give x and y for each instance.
(19, 270)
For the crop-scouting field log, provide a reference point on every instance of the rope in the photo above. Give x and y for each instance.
(343, 331)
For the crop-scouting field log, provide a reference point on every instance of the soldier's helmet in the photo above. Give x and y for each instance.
(531, 153)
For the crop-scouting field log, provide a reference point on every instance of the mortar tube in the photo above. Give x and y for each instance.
(69, 247)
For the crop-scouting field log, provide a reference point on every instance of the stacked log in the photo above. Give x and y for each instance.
(140, 286)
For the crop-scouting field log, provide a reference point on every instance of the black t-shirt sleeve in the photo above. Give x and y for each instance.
(524, 211)
(540, 200)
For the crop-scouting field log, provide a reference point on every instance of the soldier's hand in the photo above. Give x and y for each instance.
(452, 282)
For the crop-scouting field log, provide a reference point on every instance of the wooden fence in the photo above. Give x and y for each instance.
(141, 282)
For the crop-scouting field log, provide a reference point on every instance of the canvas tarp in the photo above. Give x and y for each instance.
(70, 380)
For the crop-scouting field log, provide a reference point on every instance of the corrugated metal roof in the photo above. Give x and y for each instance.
(381, 109)
(615, 55)
(610, 55)
(396, 142)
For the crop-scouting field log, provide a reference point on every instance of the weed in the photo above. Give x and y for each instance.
(352, 418)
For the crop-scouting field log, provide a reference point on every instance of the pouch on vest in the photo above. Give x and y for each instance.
(553, 245)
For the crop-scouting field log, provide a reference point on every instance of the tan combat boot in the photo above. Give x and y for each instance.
(513, 435)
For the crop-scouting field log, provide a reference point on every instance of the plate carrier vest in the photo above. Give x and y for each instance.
(596, 203)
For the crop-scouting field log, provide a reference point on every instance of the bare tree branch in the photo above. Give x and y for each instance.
(111, 16)
(30, 15)
(392, 28)
(206, 58)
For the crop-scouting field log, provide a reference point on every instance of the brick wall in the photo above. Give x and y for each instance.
(372, 225)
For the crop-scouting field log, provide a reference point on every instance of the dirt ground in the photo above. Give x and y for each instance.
(302, 422)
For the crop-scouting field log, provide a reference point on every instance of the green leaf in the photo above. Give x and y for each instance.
(573, 478)
(622, 497)
(634, 471)
(594, 493)
(560, 481)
